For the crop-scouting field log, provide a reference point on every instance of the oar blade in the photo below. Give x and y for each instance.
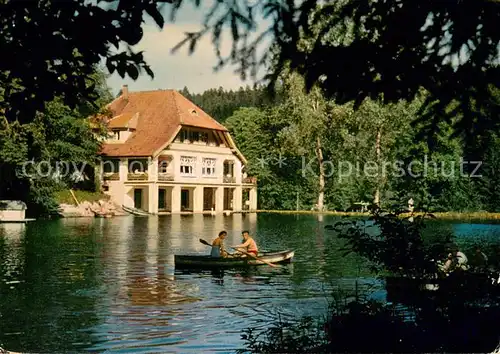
(204, 242)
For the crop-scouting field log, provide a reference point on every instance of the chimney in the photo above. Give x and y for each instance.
(125, 91)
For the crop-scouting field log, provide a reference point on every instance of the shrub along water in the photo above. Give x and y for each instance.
(458, 317)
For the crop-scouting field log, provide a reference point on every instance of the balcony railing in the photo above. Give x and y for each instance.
(137, 176)
(229, 179)
(250, 180)
(111, 176)
(165, 177)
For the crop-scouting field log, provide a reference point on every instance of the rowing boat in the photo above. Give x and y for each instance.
(135, 211)
(187, 261)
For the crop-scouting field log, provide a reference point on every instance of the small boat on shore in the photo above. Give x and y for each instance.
(135, 211)
(187, 261)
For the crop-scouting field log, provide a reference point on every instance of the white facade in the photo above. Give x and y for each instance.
(190, 175)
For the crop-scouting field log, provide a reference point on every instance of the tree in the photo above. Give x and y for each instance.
(246, 126)
(379, 127)
(489, 183)
(308, 115)
(51, 49)
(221, 103)
(382, 48)
(433, 177)
(255, 132)
(51, 152)
(310, 118)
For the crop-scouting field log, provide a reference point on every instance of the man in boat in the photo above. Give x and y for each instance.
(249, 245)
(218, 249)
(479, 260)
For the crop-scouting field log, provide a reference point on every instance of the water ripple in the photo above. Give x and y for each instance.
(109, 285)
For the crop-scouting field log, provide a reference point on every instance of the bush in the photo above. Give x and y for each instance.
(303, 336)
(65, 197)
(459, 317)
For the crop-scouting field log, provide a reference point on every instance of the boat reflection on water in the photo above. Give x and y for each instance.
(247, 275)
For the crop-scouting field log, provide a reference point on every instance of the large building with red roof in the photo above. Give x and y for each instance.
(164, 154)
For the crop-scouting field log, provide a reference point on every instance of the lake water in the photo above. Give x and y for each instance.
(102, 285)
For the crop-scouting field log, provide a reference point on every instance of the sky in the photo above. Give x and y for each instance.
(175, 71)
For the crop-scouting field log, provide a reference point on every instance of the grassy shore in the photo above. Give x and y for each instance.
(440, 215)
(467, 216)
(65, 197)
(313, 212)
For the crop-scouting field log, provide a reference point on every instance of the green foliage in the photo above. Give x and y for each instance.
(255, 132)
(50, 152)
(64, 66)
(370, 326)
(488, 185)
(358, 49)
(453, 58)
(405, 167)
(64, 196)
(392, 243)
(455, 318)
(302, 336)
(247, 125)
(221, 104)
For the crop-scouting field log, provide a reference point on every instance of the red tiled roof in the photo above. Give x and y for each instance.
(160, 115)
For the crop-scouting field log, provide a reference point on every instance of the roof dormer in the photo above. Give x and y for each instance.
(126, 121)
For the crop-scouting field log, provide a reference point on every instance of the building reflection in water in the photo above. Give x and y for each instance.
(116, 243)
(194, 233)
(141, 250)
(148, 282)
(173, 231)
(11, 251)
(152, 247)
(12, 231)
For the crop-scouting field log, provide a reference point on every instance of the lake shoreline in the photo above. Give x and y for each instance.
(437, 215)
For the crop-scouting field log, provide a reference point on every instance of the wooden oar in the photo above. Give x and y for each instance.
(254, 256)
(205, 242)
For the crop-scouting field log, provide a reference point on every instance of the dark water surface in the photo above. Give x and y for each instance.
(100, 285)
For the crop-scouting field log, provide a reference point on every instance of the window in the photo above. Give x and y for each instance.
(188, 164)
(186, 135)
(229, 168)
(110, 166)
(137, 166)
(208, 168)
(183, 135)
(162, 166)
(116, 134)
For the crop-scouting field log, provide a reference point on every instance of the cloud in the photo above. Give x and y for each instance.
(174, 71)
